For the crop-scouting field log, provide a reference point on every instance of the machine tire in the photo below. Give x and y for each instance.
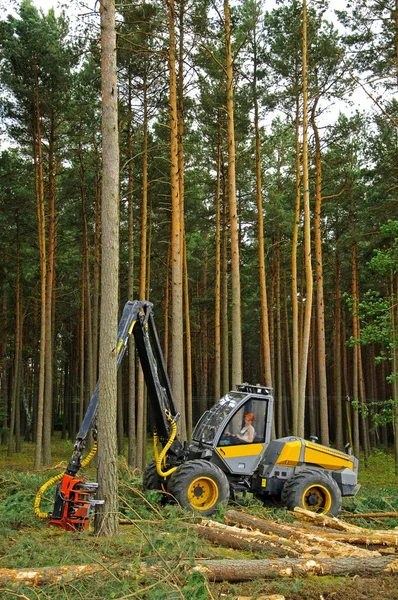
(312, 489)
(199, 486)
(151, 479)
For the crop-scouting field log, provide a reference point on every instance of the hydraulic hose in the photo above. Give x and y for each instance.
(159, 458)
(36, 505)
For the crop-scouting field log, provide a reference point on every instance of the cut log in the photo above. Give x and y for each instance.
(245, 570)
(319, 544)
(388, 538)
(245, 539)
(47, 575)
(377, 515)
(216, 570)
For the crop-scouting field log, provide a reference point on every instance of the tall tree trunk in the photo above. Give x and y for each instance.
(224, 299)
(107, 515)
(339, 440)
(120, 416)
(288, 368)
(307, 240)
(362, 397)
(181, 181)
(394, 329)
(3, 344)
(204, 331)
(141, 423)
(97, 260)
(278, 303)
(41, 222)
(177, 330)
(295, 315)
(82, 361)
(355, 333)
(266, 350)
(90, 369)
(48, 391)
(16, 386)
(217, 282)
(132, 458)
(320, 313)
(233, 213)
(189, 403)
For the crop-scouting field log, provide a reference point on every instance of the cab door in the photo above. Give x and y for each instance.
(242, 457)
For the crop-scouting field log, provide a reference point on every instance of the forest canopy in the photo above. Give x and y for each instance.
(265, 140)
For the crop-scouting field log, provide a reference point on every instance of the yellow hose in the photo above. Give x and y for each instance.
(55, 479)
(159, 458)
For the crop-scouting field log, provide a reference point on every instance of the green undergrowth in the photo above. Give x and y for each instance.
(158, 535)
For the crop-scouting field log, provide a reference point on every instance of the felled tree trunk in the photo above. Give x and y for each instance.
(244, 570)
(388, 538)
(220, 570)
(47, 575)
(317, 540)
(243, 539)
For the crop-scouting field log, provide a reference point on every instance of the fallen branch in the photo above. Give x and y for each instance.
(325, 520)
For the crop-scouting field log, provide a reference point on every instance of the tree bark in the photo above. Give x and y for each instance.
(141, 423)
(339, 438)
(217, 282)
(225, 371)
(236, 325)
(293, 532)
(307, 241)
(295, 315)
(266, 350)
(241, 539)
(320, 305)
(177, 330)
(16, 386)
(39, 187)
(50, 278)
(245, 570)
(132, 458)
(107, 514)
(97, 261)
(218, 570)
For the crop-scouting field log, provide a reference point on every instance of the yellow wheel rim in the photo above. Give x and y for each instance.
(317, 498)
(202, 493)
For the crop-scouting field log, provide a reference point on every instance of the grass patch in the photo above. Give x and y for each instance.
(155, 534)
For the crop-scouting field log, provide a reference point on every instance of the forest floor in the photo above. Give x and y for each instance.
(162, 538)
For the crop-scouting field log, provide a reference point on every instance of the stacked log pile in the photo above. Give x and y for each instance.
(317, 545)
(313, 545)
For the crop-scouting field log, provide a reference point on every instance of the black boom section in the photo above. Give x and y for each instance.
(154, 369)
(137, 319)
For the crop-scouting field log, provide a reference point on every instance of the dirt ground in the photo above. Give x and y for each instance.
(356, 588)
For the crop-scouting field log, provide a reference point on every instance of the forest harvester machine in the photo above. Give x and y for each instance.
(231, 450)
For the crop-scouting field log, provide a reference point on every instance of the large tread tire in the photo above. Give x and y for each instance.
(151, 479)
(199, 486)
(312, 489)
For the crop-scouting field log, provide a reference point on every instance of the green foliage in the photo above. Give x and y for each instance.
(381, 413)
